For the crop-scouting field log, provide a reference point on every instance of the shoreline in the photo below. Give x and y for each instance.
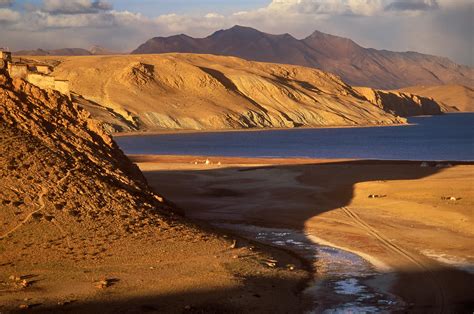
(375, 262)
(195, 131)
(214, 160)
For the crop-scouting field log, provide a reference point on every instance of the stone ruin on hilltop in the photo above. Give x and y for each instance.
(35, 73)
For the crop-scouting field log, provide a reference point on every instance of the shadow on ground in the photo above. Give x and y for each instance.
(244, 300)
(234, 195)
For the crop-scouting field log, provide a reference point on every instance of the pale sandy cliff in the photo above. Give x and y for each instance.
(459, 96)
(403, 103)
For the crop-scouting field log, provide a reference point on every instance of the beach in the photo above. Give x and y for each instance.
(411, 221)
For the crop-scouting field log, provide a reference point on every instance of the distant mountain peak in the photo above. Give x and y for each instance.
(243, 28)
(328, 37)
(317, 33)
(237, 30)
(339, 55)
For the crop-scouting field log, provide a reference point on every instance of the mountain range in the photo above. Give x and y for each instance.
(355, 64)
(93, 51)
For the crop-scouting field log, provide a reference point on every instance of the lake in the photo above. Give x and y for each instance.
(444, 137)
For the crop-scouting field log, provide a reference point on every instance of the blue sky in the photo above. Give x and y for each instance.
(438, 27)
(153, 8)
(158, 7)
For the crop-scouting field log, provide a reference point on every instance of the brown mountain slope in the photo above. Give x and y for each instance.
(461, 97)
(81, 231)
(355, 64)
(187, 91)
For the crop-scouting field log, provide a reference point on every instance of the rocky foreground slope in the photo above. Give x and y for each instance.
(356, 65)
(188, 91)
(81, 231)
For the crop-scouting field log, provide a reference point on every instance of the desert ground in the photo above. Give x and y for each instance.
(413, 223)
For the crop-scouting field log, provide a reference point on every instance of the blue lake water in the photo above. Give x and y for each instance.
(445, 137)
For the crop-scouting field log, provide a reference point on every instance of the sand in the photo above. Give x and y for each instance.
(409, 225)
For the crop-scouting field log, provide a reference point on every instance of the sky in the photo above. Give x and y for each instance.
(438, 27)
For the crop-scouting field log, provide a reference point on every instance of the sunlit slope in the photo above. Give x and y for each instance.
(186, 91)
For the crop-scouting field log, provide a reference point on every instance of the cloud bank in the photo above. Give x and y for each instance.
(441, 27)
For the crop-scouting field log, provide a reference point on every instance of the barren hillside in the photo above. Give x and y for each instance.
(459, 96)
(81, 231)
(186, 91)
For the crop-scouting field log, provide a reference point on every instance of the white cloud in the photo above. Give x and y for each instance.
(412, 5)
(192, 25)
(8, 16)
(75, 6)
(356, 7)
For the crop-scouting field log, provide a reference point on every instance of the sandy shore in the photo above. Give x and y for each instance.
(416, 222)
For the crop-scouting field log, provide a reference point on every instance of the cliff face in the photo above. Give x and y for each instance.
(403, 104)
(186, 91)
(356, 65)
